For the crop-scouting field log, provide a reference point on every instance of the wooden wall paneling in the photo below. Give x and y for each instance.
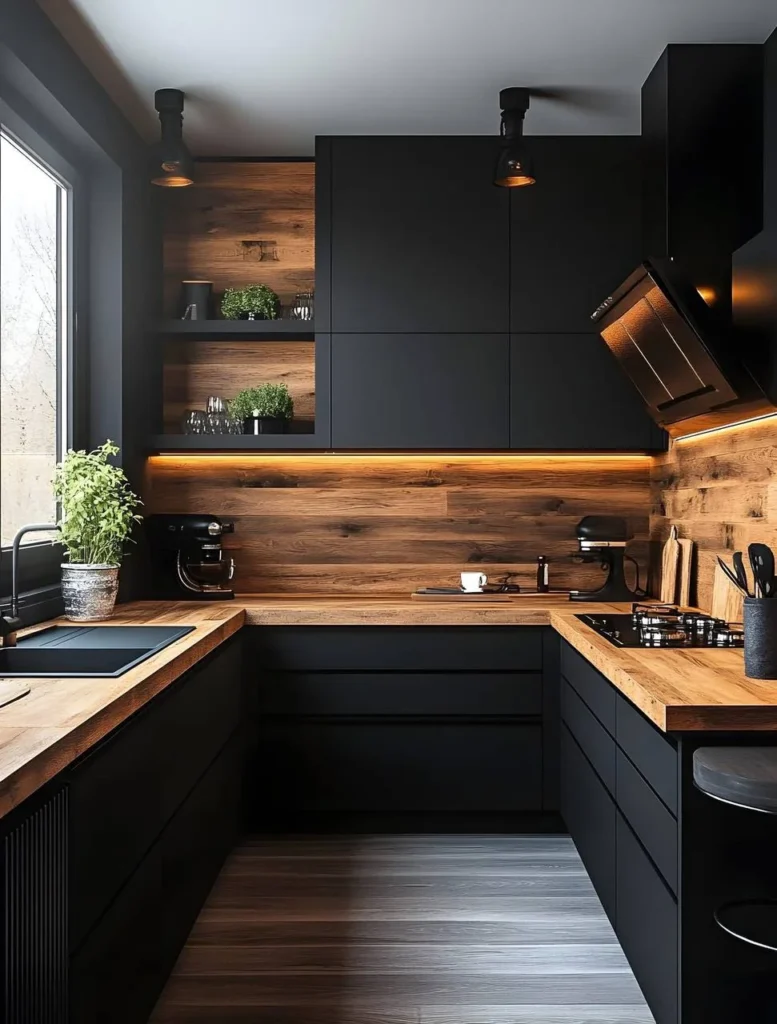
(720, 490)
(193, 371)
(382, 524)
(242, 223)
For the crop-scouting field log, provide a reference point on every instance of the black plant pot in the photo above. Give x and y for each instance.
(253, 316)
(265, 425)
(760, 617)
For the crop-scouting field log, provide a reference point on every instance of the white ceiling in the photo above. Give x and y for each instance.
(263, 77)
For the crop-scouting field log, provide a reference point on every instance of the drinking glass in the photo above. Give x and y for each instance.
(194, 422)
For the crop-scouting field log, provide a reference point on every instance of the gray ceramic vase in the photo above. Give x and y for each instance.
(760, 617)
(89, 591)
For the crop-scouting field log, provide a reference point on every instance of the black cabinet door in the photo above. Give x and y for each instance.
(419, 235)
(568, 392)
(420, 391)
(576, 234)
(589, 814)
(647, 925)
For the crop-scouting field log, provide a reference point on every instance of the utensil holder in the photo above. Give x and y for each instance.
(760, 621)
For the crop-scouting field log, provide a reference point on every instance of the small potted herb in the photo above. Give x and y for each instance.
(97, 513)
(254, 302)
(266, 409)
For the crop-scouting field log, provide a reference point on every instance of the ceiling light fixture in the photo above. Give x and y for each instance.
(514, 165)
(171, 163)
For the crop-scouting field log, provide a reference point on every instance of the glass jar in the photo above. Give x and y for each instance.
(302, 306)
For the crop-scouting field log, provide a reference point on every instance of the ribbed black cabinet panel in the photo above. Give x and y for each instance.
(420, 236)
(567, 391)
(575, 235)
(420, 391)
(35, 903)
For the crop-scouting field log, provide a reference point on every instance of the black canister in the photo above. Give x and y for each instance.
(196, 297)
(760, 617)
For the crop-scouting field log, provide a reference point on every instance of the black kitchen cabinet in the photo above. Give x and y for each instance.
(391, 720)
(576, 234)
(589, 814)
(416, 391)
(647, 925)
(419, 237)
(154, 810)
(568, 392)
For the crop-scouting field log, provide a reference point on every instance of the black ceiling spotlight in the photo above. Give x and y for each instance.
(171, 163)
(514, 165)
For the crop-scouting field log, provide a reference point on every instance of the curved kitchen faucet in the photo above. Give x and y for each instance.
(11, 623)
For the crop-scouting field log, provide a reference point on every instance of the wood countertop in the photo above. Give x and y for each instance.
(60, 719)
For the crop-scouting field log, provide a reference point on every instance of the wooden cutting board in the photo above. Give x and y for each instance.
(686, 561)
(670, 560)
(727, 601)
(12, 689)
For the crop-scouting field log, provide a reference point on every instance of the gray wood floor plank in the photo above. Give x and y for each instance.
(403, 930)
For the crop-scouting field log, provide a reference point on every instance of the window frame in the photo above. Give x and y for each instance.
(39, 562)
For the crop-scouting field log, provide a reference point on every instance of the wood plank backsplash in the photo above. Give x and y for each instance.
(390, 523)
(720, 490)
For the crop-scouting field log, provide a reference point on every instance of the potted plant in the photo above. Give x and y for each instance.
(254, 302)
(266, 409)
(97, 513)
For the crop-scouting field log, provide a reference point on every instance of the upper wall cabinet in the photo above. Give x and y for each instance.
(575, 235)
(419, 236)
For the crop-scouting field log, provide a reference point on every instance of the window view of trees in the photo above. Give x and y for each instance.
(29, 254)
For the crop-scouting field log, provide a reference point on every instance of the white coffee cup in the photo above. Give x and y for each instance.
(473, 582)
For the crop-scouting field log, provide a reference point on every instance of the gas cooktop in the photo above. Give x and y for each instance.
(664, 625)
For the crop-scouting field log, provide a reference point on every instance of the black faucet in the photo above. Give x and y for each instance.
(11, 623)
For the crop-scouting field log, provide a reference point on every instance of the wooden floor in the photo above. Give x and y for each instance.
(403, 930)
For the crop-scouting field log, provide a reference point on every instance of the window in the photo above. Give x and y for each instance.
(34, 335)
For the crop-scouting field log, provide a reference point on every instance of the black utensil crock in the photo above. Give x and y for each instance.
(760, 617)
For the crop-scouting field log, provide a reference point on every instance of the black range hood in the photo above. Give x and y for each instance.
(684, 362)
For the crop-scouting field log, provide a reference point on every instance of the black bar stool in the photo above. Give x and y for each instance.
(744, 777)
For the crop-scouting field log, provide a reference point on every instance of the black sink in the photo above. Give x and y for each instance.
(100, 651)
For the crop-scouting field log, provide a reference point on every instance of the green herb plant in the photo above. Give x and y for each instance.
(254, 298)
(97, 506)
(268, 400)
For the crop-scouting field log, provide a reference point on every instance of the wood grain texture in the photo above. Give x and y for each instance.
(385, 524)
(338, 934)
(727, 601)
(45, 731)
(194, 371)
(213, 230)
(670, 562)
(720, 490)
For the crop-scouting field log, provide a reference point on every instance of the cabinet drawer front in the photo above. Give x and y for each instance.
(655, 827)
(596, 691)
(401, 693)
(649, 750)
(589, 814)
(647, 926)
(376, 767)
(395, 649)
(593, 739)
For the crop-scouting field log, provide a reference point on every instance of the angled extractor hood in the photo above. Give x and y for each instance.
(667, 340)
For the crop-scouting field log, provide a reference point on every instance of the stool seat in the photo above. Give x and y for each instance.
(745, 776)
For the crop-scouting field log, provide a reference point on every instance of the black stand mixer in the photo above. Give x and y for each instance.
(187, 557)
(603, 539)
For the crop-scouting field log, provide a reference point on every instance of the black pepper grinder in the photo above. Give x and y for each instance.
(543, 575)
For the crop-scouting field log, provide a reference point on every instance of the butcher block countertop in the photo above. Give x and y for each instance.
(60, 719)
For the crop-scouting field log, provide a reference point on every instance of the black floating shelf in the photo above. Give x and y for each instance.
(229, 330)
(232, 442)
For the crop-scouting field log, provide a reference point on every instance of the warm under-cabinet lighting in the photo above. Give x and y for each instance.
(709, 295)
(361, 457)
(728, 426)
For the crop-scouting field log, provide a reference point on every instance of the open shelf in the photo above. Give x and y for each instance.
(230, 330)
(161, 443)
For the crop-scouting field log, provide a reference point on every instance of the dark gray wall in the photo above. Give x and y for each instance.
(46, 84)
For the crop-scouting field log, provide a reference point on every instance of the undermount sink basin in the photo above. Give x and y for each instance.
(98, 651)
